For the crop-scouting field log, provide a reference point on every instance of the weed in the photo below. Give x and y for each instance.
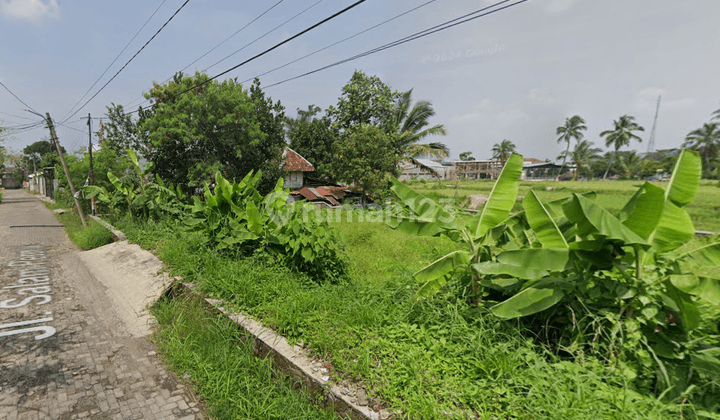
(220, 363)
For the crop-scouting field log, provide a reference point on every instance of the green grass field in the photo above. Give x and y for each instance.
(704, 210)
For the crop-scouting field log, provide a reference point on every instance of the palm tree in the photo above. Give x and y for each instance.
(716, 115)
(621, 135)
(582, 155)
(502, 151)
(572, 129)
(706, 140)
(411, 125)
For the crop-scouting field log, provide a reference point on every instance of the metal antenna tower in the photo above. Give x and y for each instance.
(651, 142)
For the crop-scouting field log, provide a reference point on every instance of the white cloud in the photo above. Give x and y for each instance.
(35, 11)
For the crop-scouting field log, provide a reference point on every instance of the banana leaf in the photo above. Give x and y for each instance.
(550, 259)
(501, 200)
(493, 268)
(536, 298)
(592, 219)
(643, 211)
(685, 179)
(434, 275)
(542, 223)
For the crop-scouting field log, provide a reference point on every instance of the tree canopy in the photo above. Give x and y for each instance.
(197, 126)
(314, 137)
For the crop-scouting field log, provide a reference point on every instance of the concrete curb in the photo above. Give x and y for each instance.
(117, 236)
(290, 359)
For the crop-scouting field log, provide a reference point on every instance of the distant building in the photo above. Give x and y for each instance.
(296, 167)
(478, 169)
(540, 171)
(427, 170)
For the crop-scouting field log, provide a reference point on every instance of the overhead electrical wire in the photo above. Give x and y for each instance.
(246, 45)
(130, 60)
(116, 58)
(21, 101)
(274, 47)
(264, 35)
(446, 25)
(342, 40)
(213, 48)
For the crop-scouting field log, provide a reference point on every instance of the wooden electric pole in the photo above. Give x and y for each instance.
(67, 172)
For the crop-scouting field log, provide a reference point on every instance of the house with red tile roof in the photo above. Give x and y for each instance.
(295, 166)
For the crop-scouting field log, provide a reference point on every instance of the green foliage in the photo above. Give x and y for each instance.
(313, 138)
(622, 274)
(219, 360)
(424, 360)
(236, 216)
(131, 193)
(364, 158)
(365, 100)
(120, 132)
(219, 125)
(87, 237)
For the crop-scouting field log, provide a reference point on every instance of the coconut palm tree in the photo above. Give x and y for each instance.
(581, 156)
(572, 129)
(411, 123)
(621, 135)
(502, 151)
(706, 140)
(716, 115)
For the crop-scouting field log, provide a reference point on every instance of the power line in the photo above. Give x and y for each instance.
(264, 35)
(116, 58)
(214, 48)
(278, 45)
(231, 36)
(16, 97)
(131, 59)
(446, 25)
(17, 116)
(246, 45)
(341, 41)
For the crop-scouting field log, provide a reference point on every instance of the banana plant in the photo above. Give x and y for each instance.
(479, 235)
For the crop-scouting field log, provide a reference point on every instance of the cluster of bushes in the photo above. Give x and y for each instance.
(628, 289)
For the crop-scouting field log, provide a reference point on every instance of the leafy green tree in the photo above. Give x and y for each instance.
(365, 100)
(572, 129)
(706, 140)
(120, 132)
(364, 158)
(716, 115)
(466, 156)
(191, 130)
(581, 156)
(411, 126)
(501, 151)
(314, 138)
(621, 135)
(41, 154)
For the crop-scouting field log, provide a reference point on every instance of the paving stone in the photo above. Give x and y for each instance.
(89, 367)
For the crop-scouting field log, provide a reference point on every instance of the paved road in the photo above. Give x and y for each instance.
(64, 352)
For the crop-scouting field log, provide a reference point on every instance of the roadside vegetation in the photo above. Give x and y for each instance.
(474, 324)
(219, 361)
(92, 236)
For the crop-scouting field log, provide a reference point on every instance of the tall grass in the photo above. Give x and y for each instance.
(423, 360)
(220, 363)
(88, 237)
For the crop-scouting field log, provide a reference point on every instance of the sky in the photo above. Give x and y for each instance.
(516, 74)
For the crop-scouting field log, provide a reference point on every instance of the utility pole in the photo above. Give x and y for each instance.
(92, 174)
(67, 172)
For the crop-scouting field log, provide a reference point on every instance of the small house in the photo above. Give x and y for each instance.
(296, 167)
